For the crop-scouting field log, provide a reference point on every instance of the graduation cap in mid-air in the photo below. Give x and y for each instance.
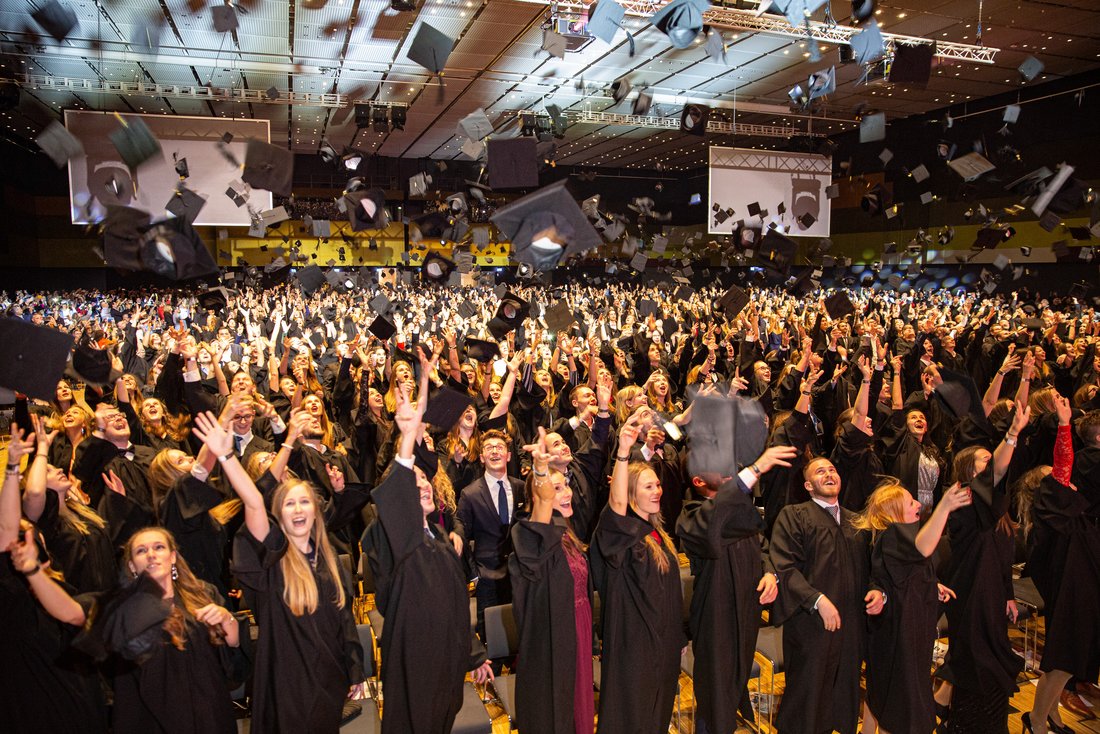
(34, 358)
(268, 167)
(546, 227)
(430, 48)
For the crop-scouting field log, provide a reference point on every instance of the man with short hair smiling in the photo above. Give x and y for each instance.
(486, 508)
(823, 565)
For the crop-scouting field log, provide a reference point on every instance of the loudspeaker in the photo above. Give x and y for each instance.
(362, 115)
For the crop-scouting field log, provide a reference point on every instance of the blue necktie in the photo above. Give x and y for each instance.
(502, 502)
(239, 441)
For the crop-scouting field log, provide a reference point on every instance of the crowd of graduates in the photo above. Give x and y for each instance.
(862, 467)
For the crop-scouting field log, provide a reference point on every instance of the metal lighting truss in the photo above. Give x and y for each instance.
(180, 91)
(673, 123)
(746, 20)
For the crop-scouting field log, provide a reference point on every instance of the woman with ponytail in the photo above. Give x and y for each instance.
(308, 656)
(170, 642)
(636, 572)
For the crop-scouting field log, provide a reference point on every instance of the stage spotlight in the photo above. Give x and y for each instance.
(380, 117)
(398, 115)
(362, 115)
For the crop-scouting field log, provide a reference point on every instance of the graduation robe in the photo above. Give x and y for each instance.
(421, 593)
(543, 603)
(722, 537)
(898, 684)
(980, 657)
(304, 664)
(813, 555)
(1065, 565)
(642, 626)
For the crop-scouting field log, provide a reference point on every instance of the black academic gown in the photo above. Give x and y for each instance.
(1065, 565)
(980, 657)
(45, 686)
(813, 555)
(185, 511)
(173, 691)
(642, 627)
(87, 560)
(427, 645)
(722, 537)
(304, 665)
(899, 689)
(543, 604)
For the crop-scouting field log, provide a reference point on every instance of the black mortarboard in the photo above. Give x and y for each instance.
(59, 144)
(725, 434)
(93, 365)
(776, 251)
(681, 21)
(872, 127)
(604, 18)
(466, 309)
(959, 393)
(34, 357)
(988, 237)
(694, 118)
(185, 204)
(838, 306)
(172, 249)
(912, 64)
(430, 48)
(431, 225)
(134, 142)
(58, 20)
(559, 317)
(546, 227)
(733, 301)
(509, 316)
(620, 88)
(513, 163)
(436, 268)
(806, 220)
(475, 125)
(1062, 253)
(481, 350)
(868, 45)
(268, 167)
(446, 407)
(647, 307)
(310, 279)
(225, 18)
(215, 299)
(122, 230)
(1031, 68)
(382, 328)
(380, 304)
(367, 209)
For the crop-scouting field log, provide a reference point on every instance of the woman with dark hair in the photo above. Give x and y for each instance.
(981, 663)
(1064, 562)
(899, 688)
(308, 656)
(551, 601)
(635, 569)
(908, 451)
(174, 677)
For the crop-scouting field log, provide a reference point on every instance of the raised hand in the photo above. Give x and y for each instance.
(1063, 410)
(113, 483)
(21, 444)
(956, 496)
(335, 478)
(1020, 418)
(44, 437)
(210, 432)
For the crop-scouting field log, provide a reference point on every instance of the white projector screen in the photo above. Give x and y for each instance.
(153, 184)
(771, 180)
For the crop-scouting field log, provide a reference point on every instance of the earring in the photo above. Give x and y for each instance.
(133, 572)
(175, 573)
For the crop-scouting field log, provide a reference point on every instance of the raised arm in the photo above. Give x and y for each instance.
(34, 492)
(928, 537)
(619, 498)
(863, 397)
(542, 509)
(509, 387)
(54, 599)
(1002, 455)
(21, 445)
(208, 430)
(1063, 443)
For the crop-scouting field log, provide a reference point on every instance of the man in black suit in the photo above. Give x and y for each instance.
(486, 508)
(242, 416)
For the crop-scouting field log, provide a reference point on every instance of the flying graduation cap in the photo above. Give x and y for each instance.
(430, 48)
(546, 227)
(681, 21)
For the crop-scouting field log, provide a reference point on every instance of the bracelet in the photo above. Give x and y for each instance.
(1010, 441)
(33, 571)
(603, 414)
(805, 392)
(622, 458)
(866, 382)
(540, 474)
(227, 457)
(756, 469)
(13, 467)
(289, 446)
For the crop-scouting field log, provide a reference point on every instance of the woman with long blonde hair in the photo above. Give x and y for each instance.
(636, 572)
(308, 657)
(177, 680)
(72, 427)
(899, 687)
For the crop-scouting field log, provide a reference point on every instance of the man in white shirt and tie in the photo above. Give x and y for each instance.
(823, 565)
(487, 507)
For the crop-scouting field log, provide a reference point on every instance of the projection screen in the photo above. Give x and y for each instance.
(152, 185)
(783, 186)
